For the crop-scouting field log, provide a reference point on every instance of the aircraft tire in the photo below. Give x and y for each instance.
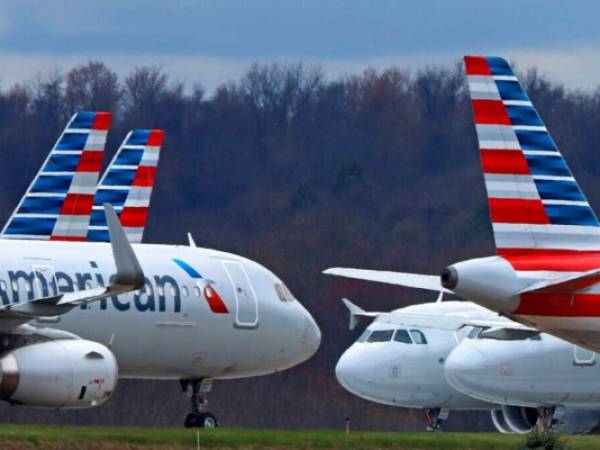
(203, 420)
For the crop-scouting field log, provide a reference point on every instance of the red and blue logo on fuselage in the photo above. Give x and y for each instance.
(212, 297)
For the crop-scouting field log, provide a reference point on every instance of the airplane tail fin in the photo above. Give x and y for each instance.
(127, 185)
(58, 203)
(534, 201)
(357, 314)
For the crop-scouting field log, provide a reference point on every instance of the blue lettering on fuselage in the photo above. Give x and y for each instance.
(157, 293)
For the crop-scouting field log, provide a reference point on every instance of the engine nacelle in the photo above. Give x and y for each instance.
(575, 421)
(491, 282)
(58, 374)
(520, 420)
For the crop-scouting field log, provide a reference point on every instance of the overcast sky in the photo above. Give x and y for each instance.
(213, 41)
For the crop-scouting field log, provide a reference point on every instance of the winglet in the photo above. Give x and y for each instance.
(357, 313)
(129, 271)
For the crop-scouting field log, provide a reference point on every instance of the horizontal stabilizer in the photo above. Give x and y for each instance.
(567, 283)
(357, 313)
(412, 280)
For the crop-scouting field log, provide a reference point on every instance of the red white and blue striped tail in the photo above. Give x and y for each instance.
(127, 185)
(534, 200)
(58, 203)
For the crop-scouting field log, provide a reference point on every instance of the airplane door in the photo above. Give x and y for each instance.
(44, 282)
(583, 357)
(246, 314)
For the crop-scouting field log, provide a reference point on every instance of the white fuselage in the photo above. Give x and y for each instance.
(409, 374)
(167, 330)
(539, 371)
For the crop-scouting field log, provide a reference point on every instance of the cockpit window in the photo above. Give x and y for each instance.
(363, 337)
(475, 332)
(284, 293)
(381, 336)
(402, 336)
(418, 337)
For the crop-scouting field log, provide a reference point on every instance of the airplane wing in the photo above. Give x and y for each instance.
(129, 277)
(412, 280)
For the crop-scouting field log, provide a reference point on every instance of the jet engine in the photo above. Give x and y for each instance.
(58, 374)
(491, 282)
(520, 420)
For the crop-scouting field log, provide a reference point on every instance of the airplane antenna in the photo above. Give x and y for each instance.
(191, 240)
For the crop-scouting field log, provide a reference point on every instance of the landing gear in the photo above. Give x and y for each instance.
(435, 417)
(544, 421)
(199, 417)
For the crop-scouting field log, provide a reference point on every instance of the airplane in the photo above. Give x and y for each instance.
(76, 316)
(529, 373)
(546, 272)
(402, 364)
(444, 356)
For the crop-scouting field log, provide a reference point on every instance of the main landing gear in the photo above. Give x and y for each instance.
(199, 416)
(435, 417)
(544, 421)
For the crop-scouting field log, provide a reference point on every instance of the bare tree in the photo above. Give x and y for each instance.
(94, 87)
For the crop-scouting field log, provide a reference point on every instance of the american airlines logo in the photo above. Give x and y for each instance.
(212, 297)
(160, 292)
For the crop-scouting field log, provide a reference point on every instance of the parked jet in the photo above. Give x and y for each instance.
(75, 316)
(398, 363)
(539, 370)
(546, 273)
(425, 356)
(547, 267)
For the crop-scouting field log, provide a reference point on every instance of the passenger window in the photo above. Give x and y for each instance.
(381, 336)
(418, 337)
(185, 290)
(402, 336)
(197, 291)
(363, 337)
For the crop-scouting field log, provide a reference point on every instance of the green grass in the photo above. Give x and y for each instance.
(257, 439)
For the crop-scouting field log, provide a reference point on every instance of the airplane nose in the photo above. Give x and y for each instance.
(465, 368)
(311, 336)
(351, 371)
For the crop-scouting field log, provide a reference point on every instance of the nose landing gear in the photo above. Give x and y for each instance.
(199, 416)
